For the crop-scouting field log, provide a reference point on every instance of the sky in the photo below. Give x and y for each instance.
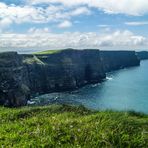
(35, 25)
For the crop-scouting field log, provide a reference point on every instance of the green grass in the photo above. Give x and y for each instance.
(71, 127)
(47, 52)
(34, 59)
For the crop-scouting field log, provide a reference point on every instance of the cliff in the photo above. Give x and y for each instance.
(22, 76)
(142, 55)
(65, 70)
(13, 88)
(114, 60)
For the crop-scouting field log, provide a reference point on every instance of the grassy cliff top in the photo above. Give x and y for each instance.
(47, 52)
(60, 50)
(67, 126)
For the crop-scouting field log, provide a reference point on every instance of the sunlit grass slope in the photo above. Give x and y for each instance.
(70, 127)
(47, 52)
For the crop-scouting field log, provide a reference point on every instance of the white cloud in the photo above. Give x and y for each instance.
(65, 24)
(37, 39)
(136, 23)
(103, 26)
(80, 10)
(39, 31)
(20, 14)
(34, 14)
(129, 7)
(5, 22)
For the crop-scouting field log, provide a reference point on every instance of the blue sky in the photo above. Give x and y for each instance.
(31, 25)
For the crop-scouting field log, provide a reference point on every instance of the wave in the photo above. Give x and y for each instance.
(95, 85)
(109, 78)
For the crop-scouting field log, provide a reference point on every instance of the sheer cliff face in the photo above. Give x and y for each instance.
(13, 90)
(25, 75)
(142, 55)
(65, 70)
(114, 60)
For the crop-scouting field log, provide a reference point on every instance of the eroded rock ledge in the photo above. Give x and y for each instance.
(24, 75)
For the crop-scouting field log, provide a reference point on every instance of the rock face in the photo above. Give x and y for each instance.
(13, 89)
(66, 70)
(142, 55)
(114, 60)
(24, 75)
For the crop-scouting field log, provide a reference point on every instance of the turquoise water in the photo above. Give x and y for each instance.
(125, 90)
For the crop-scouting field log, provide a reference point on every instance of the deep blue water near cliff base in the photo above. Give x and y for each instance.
(125, 90)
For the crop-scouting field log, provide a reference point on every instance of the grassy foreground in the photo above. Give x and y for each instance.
(71, 127)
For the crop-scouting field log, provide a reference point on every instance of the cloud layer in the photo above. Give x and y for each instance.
(129, 7)
(58, 10)
(43, 38)
(36, 14)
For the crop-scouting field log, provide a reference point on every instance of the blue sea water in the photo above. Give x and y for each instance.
(125, 90)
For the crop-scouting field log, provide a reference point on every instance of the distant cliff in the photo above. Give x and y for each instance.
(114, 60)
(142, 55)
(24, 75)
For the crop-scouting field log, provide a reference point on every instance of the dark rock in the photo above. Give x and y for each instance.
(13, 89)
(142, 55)
(66, 70)
(114, 60)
